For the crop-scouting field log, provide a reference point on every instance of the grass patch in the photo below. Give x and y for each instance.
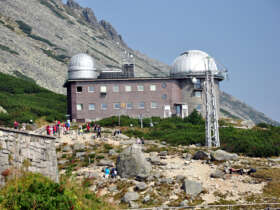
(7, 49)
(52, 8)
(41, 39)
(24, 77)
(60, 58)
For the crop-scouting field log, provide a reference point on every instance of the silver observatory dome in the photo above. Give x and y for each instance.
(193, 62)
(82, 66)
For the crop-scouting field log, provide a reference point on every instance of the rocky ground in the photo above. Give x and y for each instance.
(156, 174)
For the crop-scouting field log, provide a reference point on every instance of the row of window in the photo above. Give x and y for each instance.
(116, 88)
(140, 105)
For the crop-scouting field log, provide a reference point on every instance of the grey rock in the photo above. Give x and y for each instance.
(89, 16)
(113, 188)
(73, 5)
(187, 156)
(122, 136)
(146, 199)
(66, 148)
(103, 162)
(221, 155)
(155, 160)
(166, 181)
(132, 162)
(201, 155)
(112, 152)
(184, 203)
(217, 174)
(2, 110)
(130, 196)
(163, 153)
(163, 142)
(133, 204)
(80, 154)
(62, 162)
(191, 187)
(180, 178)
(79, 146)
(141, 186)
(91, 174)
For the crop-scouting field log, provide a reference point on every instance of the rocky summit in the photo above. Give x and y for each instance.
(32, 45)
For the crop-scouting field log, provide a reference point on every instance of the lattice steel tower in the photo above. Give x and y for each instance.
(212, 137)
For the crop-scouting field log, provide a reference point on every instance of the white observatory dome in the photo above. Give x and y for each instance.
(82, 66)
(193, 62)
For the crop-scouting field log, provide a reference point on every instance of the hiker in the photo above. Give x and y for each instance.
(94, 127)
(16, 125)
(142, 140)
(88, 127)
(98, 131)
(238, 171)
(48, 130)
(114, 173)
(80, 131)
(107, 172)
(252, 170)
(51, 130)
(54, 129)
(138, 141)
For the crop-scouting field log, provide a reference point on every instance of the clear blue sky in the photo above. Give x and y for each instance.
(242, 35)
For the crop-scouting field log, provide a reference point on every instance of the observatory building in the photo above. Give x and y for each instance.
(93, 94)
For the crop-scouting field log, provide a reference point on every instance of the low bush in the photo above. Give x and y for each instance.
(34, 191)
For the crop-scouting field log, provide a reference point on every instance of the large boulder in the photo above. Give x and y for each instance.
(103, 162)
(221, 155)
(217, 174)
(130, 196)
(201, 155)
(132, 163)
(191, 187)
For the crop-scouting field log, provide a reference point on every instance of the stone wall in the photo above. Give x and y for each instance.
(37, 150)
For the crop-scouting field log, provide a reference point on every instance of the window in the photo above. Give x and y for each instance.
(198, 107)
(141, 105)
(140, 88)
(103, 106)
(116, 88)
(127, 88)
(197, 94)
(91, 107)
(153, 87)
(117, 105)
(164, 96)
(129, 106)
(198, 85)
(79, 89)
(79, 107)
(90, 89)
(163, 85)
(103, 89)
(154, 105)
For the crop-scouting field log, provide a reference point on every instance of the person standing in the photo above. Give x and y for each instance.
(98, 131)
(16, 125)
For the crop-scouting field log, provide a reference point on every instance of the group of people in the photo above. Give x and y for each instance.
(110, 173)
(58, 128)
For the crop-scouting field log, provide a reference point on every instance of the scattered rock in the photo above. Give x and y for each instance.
(66, 148)
(79, 147)
(122, 136)
(141, 186)
(187, 156)
(103, 162)
(166, 181)
(217, 174)
(133, 204)
(163, 142)
(130, 196)
(191, 187)
(163, 153)
(91, 174)
(62, 162)
(184, 203)
(112, 152)
(221, 155)
(146, 199)
(155, 160)
(80, 154)
(132, 162)
(201, 155)
(180, 178)
(113, 188)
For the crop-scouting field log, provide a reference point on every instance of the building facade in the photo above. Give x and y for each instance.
(93, 95)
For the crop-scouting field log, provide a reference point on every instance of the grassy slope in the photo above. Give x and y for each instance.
(24, 100)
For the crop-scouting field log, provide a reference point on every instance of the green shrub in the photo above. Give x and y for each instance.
(27, 29)
(35, 37)
(34, 191)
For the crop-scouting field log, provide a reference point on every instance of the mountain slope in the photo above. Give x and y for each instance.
(39, 36)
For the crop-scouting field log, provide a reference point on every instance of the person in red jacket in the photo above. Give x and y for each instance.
(88, 127)
(16, 124)
(48, 130)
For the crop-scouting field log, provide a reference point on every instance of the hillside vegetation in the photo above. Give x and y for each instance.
(25, 101)
(261, 141)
